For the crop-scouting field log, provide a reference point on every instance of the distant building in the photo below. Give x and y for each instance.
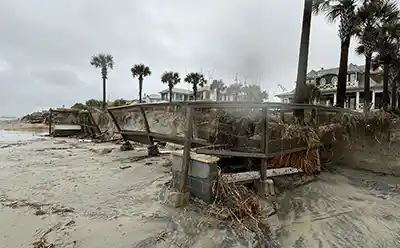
(326, 81)
(177, 95)
(152, 98)
(206, 93)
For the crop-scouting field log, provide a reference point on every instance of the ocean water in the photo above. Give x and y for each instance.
(12, 137)
(7, 137)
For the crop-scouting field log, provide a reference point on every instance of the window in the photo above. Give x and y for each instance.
(353, 77)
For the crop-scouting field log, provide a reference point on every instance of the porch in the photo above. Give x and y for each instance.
(354, 99)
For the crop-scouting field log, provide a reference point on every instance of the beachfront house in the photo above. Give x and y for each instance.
(152, 98)
(177, 94)
(326, 81)
(206, 93)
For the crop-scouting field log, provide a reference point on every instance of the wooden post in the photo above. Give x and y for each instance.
(186, 151)
(115, 121)
(282, 113)
(147, 127)
(264, 146)
(50, 120)
(93, 122)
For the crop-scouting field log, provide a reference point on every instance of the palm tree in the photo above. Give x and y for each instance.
(371, 15)
(218, 86)
(299, 96)
(345, 11)
(234, 90)
(387, 46)
(171, 78)
(104, 62)
(140, 71)
(195, 79)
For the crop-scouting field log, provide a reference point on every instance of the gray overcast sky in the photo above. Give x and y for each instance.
(46, 45)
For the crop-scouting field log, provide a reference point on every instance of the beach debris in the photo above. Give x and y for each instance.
(237, 203)
(134, 159)
(42, 243)
(58, 142)
(106, 151)
(162, 236)
(127, 146)
(167, 163)
(123, 167)
(152, 151)
(173, 146)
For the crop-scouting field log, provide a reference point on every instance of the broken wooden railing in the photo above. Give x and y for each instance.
(82, 123)
(265, 148)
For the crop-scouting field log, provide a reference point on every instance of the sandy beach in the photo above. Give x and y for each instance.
(74, 194)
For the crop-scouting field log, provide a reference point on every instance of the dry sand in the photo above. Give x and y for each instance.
(75, 194)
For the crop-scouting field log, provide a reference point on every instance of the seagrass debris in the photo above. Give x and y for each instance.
(237, 203)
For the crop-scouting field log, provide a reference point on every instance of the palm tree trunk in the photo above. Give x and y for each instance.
(386, 99)
(104, 93)
(140, 88)
(194, 93)
(394, 94)
(170, 94)
(367, 99)
(300, 92)
(342, 77)
(217, 92)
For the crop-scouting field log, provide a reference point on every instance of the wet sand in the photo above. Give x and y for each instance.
(75, 194)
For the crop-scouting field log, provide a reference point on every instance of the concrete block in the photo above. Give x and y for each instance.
(198, 187)
(200, 165)
(178, 199)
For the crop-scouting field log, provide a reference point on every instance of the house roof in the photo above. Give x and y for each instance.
(178, 90)
(290, 93)
(154, 96)
(351, 68)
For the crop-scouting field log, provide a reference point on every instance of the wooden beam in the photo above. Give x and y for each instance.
(249, 176)
(147, 127)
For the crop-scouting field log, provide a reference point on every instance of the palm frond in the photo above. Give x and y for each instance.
(140, 70)
(360, 49)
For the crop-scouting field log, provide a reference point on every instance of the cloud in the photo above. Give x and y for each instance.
(46, 46)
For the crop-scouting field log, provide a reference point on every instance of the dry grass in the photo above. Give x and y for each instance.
(237, 203)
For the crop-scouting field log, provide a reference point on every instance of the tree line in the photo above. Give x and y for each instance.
(105, 62)
(375, 25)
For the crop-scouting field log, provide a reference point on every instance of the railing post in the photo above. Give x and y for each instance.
(50, 120)
(115, 120)
(282, 115)
(186, 151)
(152, 150)
(264, 146)
(147, 127)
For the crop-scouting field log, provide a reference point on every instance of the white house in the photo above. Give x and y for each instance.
(326, 81)
(152, 98)
(177, 94)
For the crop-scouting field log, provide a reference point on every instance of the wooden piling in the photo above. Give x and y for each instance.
(186, 151)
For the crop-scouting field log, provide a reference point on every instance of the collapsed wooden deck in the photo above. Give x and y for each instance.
(265, 148)
(82, 124)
